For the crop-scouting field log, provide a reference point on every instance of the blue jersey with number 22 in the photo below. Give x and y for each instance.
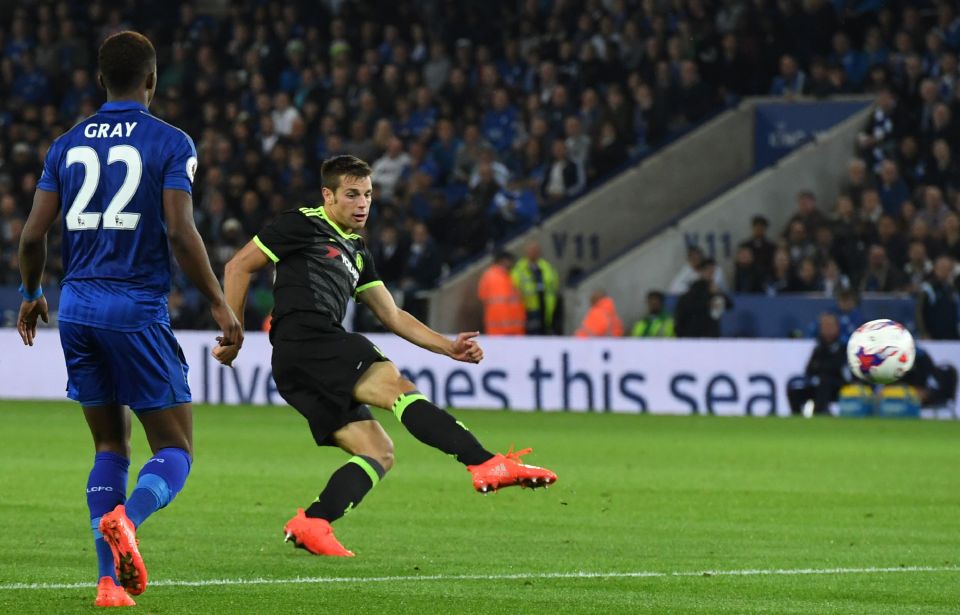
(110, 171)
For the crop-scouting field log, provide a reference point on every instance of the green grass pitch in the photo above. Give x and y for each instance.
(726, 516)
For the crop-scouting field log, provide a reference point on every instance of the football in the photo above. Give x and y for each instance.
(880, 351)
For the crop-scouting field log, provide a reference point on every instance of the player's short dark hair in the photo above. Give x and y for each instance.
(336, 168)
(657, 294)
(125, 59)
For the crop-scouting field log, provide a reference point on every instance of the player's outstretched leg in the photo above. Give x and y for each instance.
(436, 427)
(106, 489)
(508, 470)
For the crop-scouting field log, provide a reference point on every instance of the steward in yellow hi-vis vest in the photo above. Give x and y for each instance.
(658, 322)
(539, 286)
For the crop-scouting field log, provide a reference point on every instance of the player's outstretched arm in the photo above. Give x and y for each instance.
(190, 253)
(33, 258)
(463, 348)
(236, 283)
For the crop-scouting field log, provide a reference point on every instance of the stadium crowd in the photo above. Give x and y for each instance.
(480, 119)
(895, 226)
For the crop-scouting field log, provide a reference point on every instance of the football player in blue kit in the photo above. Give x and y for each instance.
(122, 180)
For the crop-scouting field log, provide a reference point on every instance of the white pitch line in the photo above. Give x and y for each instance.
(502, 577)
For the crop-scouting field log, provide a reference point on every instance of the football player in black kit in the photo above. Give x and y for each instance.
(330, 375)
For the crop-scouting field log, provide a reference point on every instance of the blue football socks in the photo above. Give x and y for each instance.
(106, 488)
(160, 480)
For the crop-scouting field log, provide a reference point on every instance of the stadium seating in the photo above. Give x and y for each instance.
(465, 118)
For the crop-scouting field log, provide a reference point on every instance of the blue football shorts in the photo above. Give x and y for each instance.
(144, 369)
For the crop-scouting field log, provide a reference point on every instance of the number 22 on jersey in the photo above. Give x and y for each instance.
(77, 219)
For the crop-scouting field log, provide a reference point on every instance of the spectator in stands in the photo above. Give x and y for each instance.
(259, 78)
(499, 125)
(389, 169)
(390, 253)
(577, 142)
(734, 70)
(806, 279)
(601, 319)
(469, 154)
(539, 286)
(445, 149)
(658, 322)
(562, 179)
(889, 236)
(938, 303)
(887, 123)
(857, 180)
(799, 245)
(747, 274)
(951, 236)
(935, 209)
(870, 207)
(489, 170)
(943, 126)
(942, 171)
(929, 99)
(825, 372)
(825, 246)
(921, 231)
(512, 209)
(807, 213)
(650, 118)
(182, 316)
(881, 276)
(690, 273)
(694, 97)
(791, 81)
(761, 247)
(833, 279)
(699, 310)
(503, 312)
(853, 61)
(780, 278)
(609, 152)
(913, 165)
(818, 82)
(893, 190)
(850, 235)
(423, 268)
(918, 267)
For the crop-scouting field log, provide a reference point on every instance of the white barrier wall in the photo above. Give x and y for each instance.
(724, 377)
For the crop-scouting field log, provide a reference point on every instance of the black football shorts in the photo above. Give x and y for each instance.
(316, 371)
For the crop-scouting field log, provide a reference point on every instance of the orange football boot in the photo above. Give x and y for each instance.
(111, 594)
(507, 470)
(314, 535)
(121, 535)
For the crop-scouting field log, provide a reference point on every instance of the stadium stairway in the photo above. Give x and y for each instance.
(717, 224)
(609, 218)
